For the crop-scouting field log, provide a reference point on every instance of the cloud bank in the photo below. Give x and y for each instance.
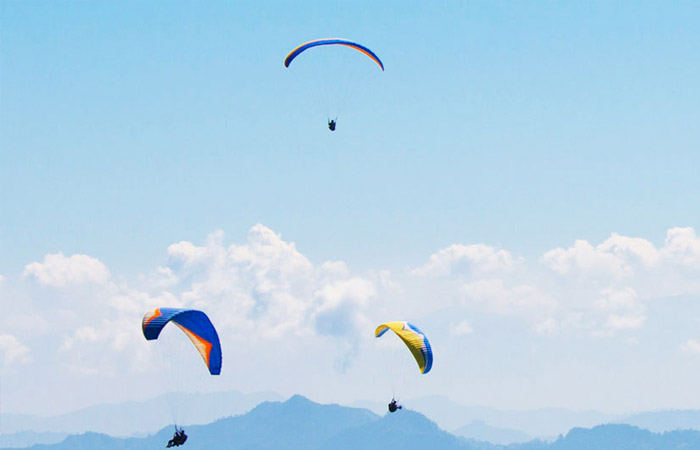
(264, 293)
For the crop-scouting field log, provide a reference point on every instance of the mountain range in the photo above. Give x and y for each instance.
(126, 419)
(299, 423)
(512, 426)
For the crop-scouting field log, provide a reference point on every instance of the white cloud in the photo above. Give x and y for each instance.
(12, 350)
(461, 329)
(266, 284)
(611, 283)
(186, 251)
(386, 281)
(630, 249)
(585, 258)
(493, 296)
(549, 326)
(100, 348)
(265, 289)
(60, 271)
(161, 278)
(81, 336)
(623, 257)
(622, 322)
(341, 306)
(624, 299)
(477, 259)
(691, 346)
(619, 309)
(264, 292)
(682, 247)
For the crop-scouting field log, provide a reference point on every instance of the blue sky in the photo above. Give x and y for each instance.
(127, 127)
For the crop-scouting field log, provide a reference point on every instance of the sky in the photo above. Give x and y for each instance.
(522, 182)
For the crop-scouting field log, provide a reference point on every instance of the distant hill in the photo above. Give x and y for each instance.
(481, 431)
(404, 429)
(138, 418)
(300, 424)
(546, 423)
(29, 438)
(618, 437)
(660, 421)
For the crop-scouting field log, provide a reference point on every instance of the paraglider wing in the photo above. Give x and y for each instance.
(195, 324)
(359, 47)
(414, 339)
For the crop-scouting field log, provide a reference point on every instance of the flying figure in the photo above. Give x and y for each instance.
(393, 406)
(199, 329)
(178, 439)
(333, 92)
(416, 342)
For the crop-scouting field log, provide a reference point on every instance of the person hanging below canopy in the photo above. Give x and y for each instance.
(178, 439)
(393, 406)
(329, 88)
(198, 328)
(417, 344)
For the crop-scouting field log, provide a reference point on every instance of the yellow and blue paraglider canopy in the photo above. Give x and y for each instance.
(195, 324)
(414, 339)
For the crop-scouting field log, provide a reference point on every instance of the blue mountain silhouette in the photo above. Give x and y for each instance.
(300, 424)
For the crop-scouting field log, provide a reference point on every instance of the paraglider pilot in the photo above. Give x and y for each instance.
(178, 439)
(393, 406)
(331, 125)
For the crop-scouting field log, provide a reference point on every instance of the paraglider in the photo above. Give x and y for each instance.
(393, 406)
(178, 439)
(416, 342)
(335, 41)
(200, 331)
(414, 339)
(196, 326)
(327, 84)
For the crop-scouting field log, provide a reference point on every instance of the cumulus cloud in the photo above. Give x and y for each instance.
(691, 347)
(161, 278)
(12, 350)
(682, 247)
(620, 322)
(59, 271)
(339, 311)
(82, 335)
(549, 326)
(100, 348)
(613, 281)
(386, 282)
(266, 290)
(630, 250)
(462, 328)
(263, 290)
(473, 259)
(585, 258)
(494, 296)
(621, 257)
(601, 289)
(624, 299)
(620, 309)
(268, 285)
